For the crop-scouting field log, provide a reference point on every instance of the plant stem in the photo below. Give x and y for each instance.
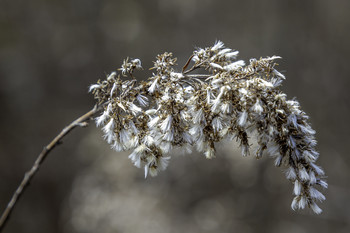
(28, 176)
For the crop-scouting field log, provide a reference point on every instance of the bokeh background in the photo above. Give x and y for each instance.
(51, 51)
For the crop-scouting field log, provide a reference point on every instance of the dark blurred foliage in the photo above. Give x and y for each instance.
(51, 51)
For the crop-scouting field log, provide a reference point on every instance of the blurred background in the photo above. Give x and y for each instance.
(51, 51)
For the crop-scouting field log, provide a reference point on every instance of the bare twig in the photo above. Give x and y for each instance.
(187, 63)
(81, 121)
(195, 66)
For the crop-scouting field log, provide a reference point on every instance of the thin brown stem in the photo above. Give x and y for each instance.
(187, 63)
(81, 121)
(193, 68)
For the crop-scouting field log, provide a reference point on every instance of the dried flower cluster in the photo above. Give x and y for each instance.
(227, 100)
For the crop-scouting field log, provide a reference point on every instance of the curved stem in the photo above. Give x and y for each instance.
(192, 68)
(81, 121)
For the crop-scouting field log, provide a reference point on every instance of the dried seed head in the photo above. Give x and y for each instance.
(227, 100)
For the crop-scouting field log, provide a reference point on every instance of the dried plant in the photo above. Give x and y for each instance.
(225, 100)
(229, 100)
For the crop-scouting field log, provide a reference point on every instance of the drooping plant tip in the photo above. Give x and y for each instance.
(226, 100)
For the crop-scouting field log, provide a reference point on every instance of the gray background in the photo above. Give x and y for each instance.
(51, 51)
